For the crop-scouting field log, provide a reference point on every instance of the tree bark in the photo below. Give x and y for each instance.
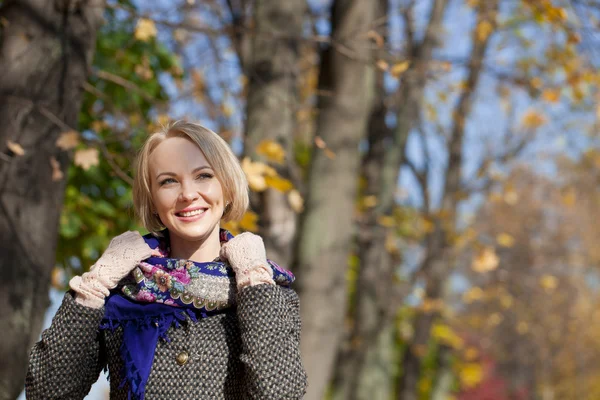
(326, 231)
(271, 68)
(436, 260)
(46, 49)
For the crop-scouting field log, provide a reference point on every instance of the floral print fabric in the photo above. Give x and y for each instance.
(206, 286)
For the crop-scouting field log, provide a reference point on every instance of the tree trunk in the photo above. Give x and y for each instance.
(271, 68)
(376, 289)
(326, 233)
(435, 266)
(46, 49)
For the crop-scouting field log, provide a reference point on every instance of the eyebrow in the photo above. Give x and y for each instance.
(197, 169)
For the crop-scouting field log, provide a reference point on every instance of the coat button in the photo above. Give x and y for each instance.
(182, 358)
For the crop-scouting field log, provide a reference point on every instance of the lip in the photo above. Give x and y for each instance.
(193, 217)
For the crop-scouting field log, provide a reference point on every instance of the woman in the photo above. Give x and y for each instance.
(187, 311)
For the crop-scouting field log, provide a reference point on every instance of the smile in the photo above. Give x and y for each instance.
(191, 213)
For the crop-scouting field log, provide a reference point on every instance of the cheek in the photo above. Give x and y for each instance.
(163, 200)
(214, 192)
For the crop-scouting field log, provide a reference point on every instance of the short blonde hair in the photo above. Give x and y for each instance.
(218, 154)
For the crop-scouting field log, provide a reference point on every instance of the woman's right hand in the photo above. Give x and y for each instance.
(122, 255)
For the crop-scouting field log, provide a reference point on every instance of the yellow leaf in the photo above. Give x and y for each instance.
(249, 221)
(471, 353)
(505, 240)
(271, 150)
(506, 301)
(549, 282)
(57, 174)
(470, 375)
(227, 110)
(533, 119)
(145, 29)
(483, 30)
(445, 334)
(399, 68)
(57, 279)
(551, 95)
(231, 226)
(68, 140)
(86, 158)
(386, 221)
(522, 328)
(255, 174)
(536, 82)
(485, 261)
(511, 197)
(278, 183)
(370, 201)
(495, 319)
(296, 201)
(15, 148)
(569, 198)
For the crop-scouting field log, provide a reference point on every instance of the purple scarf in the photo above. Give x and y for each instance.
(160, 293)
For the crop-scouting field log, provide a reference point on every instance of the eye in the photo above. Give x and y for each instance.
(167, 181)
(205, 175)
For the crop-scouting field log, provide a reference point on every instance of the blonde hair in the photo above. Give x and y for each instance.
(218, 154)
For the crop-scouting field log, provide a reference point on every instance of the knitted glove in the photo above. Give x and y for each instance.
(122, 255)
(247, 256)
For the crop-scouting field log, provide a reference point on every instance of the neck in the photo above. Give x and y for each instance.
(201, 250)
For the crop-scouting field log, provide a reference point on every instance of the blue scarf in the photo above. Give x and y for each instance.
(161, 292)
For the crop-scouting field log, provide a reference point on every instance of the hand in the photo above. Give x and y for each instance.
(122, 255)
(247, 256)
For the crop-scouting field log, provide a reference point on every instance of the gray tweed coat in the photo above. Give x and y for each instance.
(248, 352)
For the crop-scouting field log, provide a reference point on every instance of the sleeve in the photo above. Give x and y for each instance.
(269, 317)
(67, 360)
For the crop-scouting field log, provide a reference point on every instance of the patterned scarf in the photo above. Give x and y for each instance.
(160, 293)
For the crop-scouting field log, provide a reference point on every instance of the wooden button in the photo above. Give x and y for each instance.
(182, 358)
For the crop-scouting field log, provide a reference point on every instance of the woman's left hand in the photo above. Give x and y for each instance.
(247, 256)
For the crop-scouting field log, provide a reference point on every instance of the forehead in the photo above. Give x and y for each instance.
(176, 154)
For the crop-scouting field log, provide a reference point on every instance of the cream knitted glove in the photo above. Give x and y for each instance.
(122, 255)
(247, 256)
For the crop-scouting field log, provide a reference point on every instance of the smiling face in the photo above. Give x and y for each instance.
(185, 191)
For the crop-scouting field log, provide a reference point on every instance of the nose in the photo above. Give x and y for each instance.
(188, 192)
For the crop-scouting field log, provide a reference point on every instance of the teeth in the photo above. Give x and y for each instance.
(191, 213)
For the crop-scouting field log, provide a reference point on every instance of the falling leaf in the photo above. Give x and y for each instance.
(86, 158)
(249, 221)
(533, 119)
(485, 261)
(399, 68)
(446, 335)
(271, 150)
(57, 174)
(278, 183)
(330, 154)
(505, 240)
(296, 201)
(506, 301)
(68, 140)
(145, 29)
(15, 148)
(495, 319)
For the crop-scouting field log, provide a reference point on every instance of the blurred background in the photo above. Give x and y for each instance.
(428, 169)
